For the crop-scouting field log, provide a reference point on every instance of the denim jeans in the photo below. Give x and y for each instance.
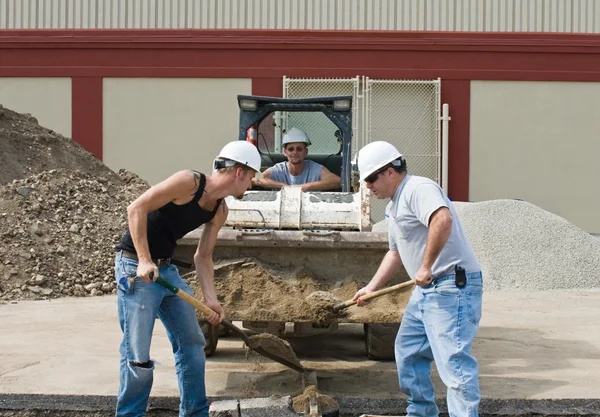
(139, 304)
(440, 323)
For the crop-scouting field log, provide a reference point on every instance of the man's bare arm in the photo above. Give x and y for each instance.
(440, 227)
(328, 181)
(267, 182)
(203, 260)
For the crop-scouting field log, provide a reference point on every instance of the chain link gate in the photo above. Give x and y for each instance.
(322, 87)
(405, 113)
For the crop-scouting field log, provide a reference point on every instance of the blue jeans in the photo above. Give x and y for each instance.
(440, 323)
(139, 304)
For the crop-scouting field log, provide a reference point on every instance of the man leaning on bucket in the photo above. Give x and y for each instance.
(442, 316)
(157, 220)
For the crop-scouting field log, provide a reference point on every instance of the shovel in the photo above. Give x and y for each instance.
(346, 304)
(308, 375)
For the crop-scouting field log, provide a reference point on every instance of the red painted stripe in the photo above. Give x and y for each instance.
(458, 96)
(269, 87)
(87, 113)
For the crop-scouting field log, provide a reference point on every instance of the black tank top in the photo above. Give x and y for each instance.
(170, 223)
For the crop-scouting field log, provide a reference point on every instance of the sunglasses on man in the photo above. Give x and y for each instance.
(375, 176)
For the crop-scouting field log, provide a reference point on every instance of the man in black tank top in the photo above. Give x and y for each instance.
(157, 219)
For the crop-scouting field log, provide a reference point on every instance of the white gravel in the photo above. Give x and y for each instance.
(521, 246)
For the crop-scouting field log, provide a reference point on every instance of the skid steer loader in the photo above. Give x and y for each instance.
(326, 234)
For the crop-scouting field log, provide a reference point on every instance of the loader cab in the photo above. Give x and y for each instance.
(326, 120)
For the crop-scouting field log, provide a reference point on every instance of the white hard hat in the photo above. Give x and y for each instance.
(375, 155)
(295, 135)
(241, 151)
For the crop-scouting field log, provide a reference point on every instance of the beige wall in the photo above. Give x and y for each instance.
(538, 141)
(46, 99)
(157, 126)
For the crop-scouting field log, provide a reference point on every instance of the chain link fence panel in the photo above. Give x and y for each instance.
(405, 113)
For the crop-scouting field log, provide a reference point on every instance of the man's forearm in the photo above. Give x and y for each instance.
(439, 232)
(206, 277)
(389, 266)
(322, 185)
(269, 183)
(139, 234)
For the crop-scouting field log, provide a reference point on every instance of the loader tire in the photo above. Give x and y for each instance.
(211, 335)
(379, 340)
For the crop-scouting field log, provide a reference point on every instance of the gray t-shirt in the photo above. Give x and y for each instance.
(408, 214)
(311, 173)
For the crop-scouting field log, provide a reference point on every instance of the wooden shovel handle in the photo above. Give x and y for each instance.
(206, 310)
(375, 294)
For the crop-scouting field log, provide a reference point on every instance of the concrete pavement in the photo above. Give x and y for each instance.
(531, 346)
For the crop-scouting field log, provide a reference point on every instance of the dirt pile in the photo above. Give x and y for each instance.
(58, 231)
(301, 403)
(26, 149)
(250, 290)
(61, 212)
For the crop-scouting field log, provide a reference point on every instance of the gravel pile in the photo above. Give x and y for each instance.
(522, 246)
(58, 230)
(61, 212)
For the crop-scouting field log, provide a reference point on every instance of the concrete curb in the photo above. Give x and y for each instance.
(348, 406)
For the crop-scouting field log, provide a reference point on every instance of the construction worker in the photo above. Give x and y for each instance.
(157, 219)
(442, 316)
(298, 171)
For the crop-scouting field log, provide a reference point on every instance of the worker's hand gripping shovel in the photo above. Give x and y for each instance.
(339, 307)
(308, 374)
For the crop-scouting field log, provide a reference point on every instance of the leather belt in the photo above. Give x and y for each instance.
(157, 261)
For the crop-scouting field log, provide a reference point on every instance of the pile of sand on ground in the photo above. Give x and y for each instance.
(61, 213)
(301, 403)
(250, 290)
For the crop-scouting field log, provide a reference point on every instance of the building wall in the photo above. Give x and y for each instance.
(47, 99)
(572, 16)
(157, 126)
(537, 141)
(262, 58)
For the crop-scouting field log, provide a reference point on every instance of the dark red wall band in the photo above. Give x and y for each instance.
(87, 113)
(266, 56)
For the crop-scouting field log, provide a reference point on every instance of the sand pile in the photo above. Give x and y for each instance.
(301, 403)
(250, 290)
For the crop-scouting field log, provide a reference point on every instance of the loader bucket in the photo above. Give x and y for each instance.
(267, 279)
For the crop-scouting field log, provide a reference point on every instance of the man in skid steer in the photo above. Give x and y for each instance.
(443, 313)
(298, 171)
(157, 219)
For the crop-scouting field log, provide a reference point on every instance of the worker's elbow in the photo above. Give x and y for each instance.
(446, 220)
(202, 258)
(133, 209)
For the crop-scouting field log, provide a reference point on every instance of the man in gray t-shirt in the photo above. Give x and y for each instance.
(298, 171)
(443, 313)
